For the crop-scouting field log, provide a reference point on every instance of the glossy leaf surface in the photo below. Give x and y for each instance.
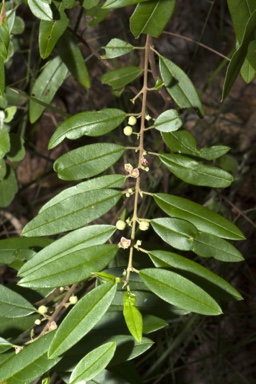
(72, 212)
(87, 124)
(195, 173)
(46, 85)
(82, 318)
(29, 364)
(195, 272)
(118, 78)
(120, 3)
(203, 218)
(178, 233)
(87, 161)
(151, 17)
(13, 305)
(116, 48)
(93, 363)
(41, 9)
(179, 86)
(69, 268)
(179, 291)
(168, 121)
(132, 316)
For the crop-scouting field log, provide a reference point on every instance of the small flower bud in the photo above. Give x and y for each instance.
(73, 300)
(37, 322)
(128, 130)
(148, 117)
(42, 309)
(132, 120)
(144, 225)
(52, 325)
(120, 224)
(128, 167)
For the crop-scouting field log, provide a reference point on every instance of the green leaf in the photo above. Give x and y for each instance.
(17, 151)
(247, 71)
(239, 55)
(50, 32)
(203, 218)
(213, 152)
(4, 35)
(153, 323)
(179, 291)
(4, 141)
(40, 9)
(13, 305)
(69, 268)
(168, 121)
(69, 244)
(87, 4)
(206, 245)
(197, 273)
(71, 55)
(9, 113)
(87, 161)
(151, 17)
(240, 13)
(72, 212)
(45, 86)
(87, 124)
(8, 188)
(118, 78)
(132, 316)
(120, 3)
(178, 233)
(4, 345)
(192, 172)
(102, 182)
(2, 169)
(82, 318)
(179, 86)
(2, 77)
(93, 363)
(30, 363)
(116, 48)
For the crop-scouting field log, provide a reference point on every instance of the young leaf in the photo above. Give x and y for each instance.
(87, 161)
(87, 124)
(72, 242)
(13, 305)
(93, 363)
(239, 55)
(132, 316)
(118, 78)
(179, 291)
(40, 9)
(151, 17)
(192, 172)
(45, 86)
(116, 48)
(195, 272)
(178, 233)
(30, 363)
(168, 121)
(71, 55)
(72, 212)
(203, 218)
(179, 86)
(82, 318)
(69, 268)
(206, 245)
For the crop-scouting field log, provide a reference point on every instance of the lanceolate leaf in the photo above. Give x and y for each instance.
(179, 86)
(69, 268)
(82, 318)
(151, 17)
(195, 272)
(102, 182)
(240, 12)
(192, 172)
(87, 161)
(40, 9)
(30, 363)
(4, 35)
(179, 291)
(132, 316)
(13, 305)
(87, 124)
(75, 241)
(72, 212)
(120, 3)
(116, 48)
(206, 245)
(46, 85)
(203, 218)
(178, 233)
(93, 363)
(118, 78)
(168, 121)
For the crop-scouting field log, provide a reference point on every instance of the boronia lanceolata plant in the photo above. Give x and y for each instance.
(127, 257)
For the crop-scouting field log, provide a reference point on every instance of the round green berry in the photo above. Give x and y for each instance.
(42, 309)
(144, 225)
(127, 130)
(132, 120)
(73, 300)
(120, 225)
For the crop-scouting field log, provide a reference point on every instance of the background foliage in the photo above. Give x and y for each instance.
(118, 203)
